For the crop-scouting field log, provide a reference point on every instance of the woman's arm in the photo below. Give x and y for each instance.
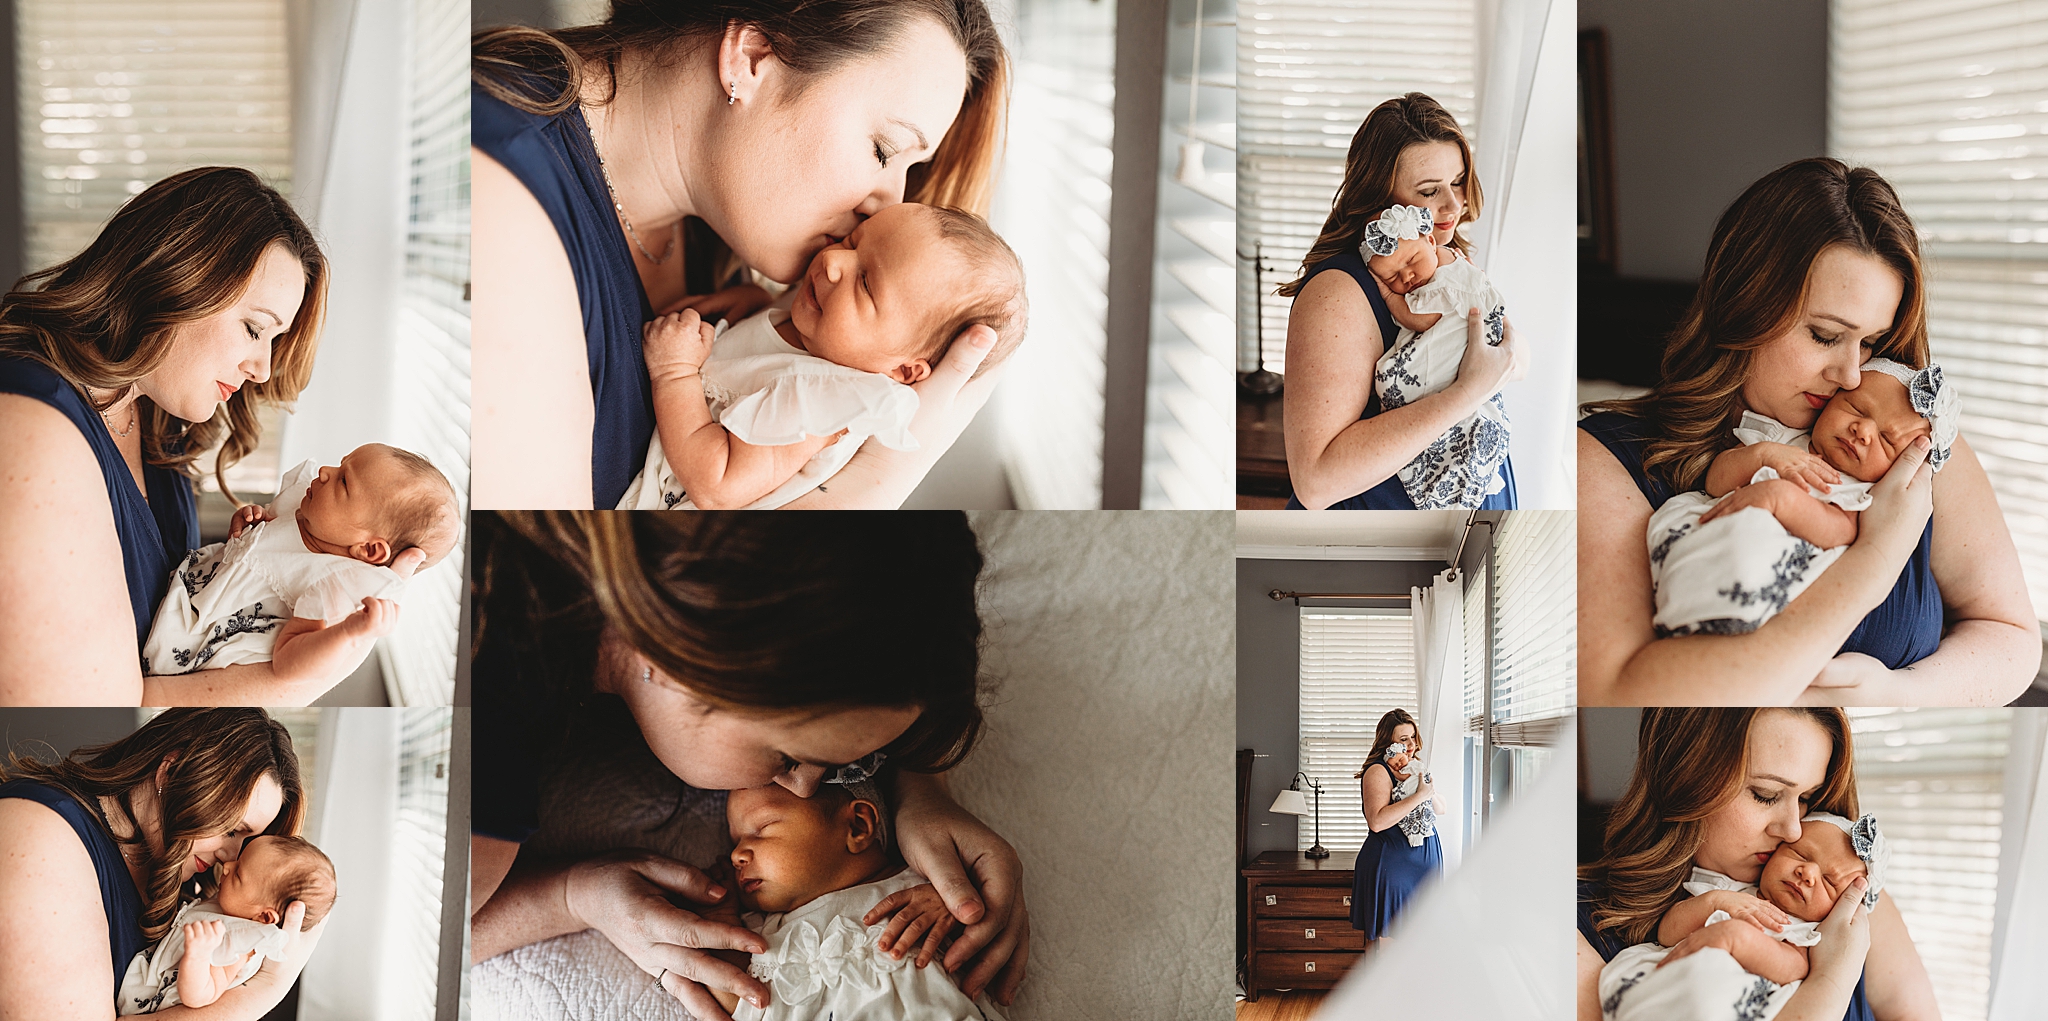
(957, 853)
(1333, 342)
(1893, 976)
(532, 413)
(878, 478)
(1621, 663)
(1589, 963)
(1375, 788)
(53, 935)
(1992, 647)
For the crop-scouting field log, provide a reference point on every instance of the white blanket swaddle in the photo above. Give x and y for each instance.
(821, 962)
(1707, 985)
(770, 394)
(1732, 574)
(1420, 821)
(1461, 468)
(228, 600)
(151, 983)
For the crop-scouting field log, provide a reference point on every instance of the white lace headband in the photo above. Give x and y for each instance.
(1932, 398)
(1399, 223)
(1869, 844)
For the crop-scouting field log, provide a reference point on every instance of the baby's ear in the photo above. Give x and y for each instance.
(912, 371)
(374, 551)
(864, 829)
(269, 916)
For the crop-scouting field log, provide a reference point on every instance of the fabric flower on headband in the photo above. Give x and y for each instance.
(1932, 398)
(1869, 844)
(1399, 223)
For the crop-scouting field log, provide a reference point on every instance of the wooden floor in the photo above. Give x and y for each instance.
(1297, 1006)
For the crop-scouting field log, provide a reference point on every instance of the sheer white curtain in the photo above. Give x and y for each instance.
(1439, 617)
(2019, 986)
(355, 804)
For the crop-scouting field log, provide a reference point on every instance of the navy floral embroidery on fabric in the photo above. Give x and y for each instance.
(1755, 1000)
(1496, 325)
(249, 621)
(1458, 468)
(1789, 570)
(1613, 1002)
(1671, 537)
(1716, 626)
(193, 579)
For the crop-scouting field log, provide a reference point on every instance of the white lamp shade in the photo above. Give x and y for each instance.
(1290, 802)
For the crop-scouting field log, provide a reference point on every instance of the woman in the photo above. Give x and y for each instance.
(742, 649)
(1389, 867)
(1812, 271)
(198, 303)
(97, 850)
(1342, 449)
(780, 127)
(1718, 789)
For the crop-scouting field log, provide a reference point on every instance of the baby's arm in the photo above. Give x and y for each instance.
(714, 467)
(1804, 515)
(1757, 951)
(1420, 322)
(1733, 468)
(199, 982)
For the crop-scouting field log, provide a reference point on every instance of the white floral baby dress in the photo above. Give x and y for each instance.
(151, 983)
(1461, 468)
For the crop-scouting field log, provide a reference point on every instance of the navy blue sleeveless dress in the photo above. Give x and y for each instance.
(1607, 943)
(117, 888)
(1904, 629)
(1388, 871)
(155, 533)
(1389, 495)
(554, 158)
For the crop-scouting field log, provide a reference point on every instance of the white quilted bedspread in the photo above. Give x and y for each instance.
(1106, 761)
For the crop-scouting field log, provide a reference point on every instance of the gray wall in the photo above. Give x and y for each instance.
(1268, 670)
(1607, 746)
(1707, 98)
(28, 731)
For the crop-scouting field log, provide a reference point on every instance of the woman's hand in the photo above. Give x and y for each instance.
(733, 303)
(624, 896)
(1901, 504)
(1844, 941)
(950, 397)
(1487, 367)
(946, 844)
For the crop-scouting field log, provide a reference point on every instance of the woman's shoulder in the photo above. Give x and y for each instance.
(493, 120)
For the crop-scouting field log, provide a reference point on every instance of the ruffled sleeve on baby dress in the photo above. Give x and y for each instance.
(1456, 289)
(331, 596)
(808, 396)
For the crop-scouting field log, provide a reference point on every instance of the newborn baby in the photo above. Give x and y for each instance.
(808, 870)
(756, 415)
(1777, 510)
(1419, 823)
(215, 945)
(1755, 955)
(271, 582)
(1433, 289)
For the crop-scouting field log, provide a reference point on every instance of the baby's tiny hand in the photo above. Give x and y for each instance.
(1766, 494)
(1756, 910)
(246, 516)
(202, 937)
(1801, 466)
(676, 345)
(920, 913)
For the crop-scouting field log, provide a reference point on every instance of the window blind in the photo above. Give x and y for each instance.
(418, 846)
(1948, 101)
(431, 372)
(1053, 209)
(1355, 665)
(1935, 779)
(115, 95)
(1188, 426)
(1535, 609)
(1475, 647)
(1308, 73)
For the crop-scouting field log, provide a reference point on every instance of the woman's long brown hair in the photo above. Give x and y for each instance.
(1368, 188)
(1752, 291)
(219, 754)
(749, 611)
(183, 250)
(1689, 763)
(1383, 736)
(812, 39)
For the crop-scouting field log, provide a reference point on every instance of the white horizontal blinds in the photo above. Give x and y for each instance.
(1950, 102)
(1535, 615)
(1053, 209)
(1935, 779)
(418, 847)
(1189, 396)
(1475, 647)
(432, 372)
(1355, 665)
(114, 96)
(1308, 73)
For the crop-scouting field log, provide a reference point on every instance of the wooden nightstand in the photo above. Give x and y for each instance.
(1299, 915)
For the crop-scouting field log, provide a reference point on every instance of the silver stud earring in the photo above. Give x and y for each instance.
(647, 675)
(733, 94)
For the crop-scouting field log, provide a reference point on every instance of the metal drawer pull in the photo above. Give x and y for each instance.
(1308, 965)
(1347, 900)
(1308, 934)
(1272, 900)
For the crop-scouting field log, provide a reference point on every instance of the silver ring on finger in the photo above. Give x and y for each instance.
(658, 978)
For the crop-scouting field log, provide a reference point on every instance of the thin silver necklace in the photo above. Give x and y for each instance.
(620, 207)
(134, 416)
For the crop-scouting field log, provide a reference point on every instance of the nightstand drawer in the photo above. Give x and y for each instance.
(1301, 971)
(1302, 901)
(1310, 934)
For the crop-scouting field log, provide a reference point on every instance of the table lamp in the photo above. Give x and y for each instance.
(1290, 802)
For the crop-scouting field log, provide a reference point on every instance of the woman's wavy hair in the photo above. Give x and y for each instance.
(1384, 736)
(1751, 292)
(219, 755)
(1689, 763)
(1368, 188)
(813, 39)
(181, 251)
(750, 612)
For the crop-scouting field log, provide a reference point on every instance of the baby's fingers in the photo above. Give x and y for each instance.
(935, 943)
(889, 905)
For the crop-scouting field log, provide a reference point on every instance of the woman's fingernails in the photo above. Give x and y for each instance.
(984, 339)
(1922, 443)
(716, 893)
